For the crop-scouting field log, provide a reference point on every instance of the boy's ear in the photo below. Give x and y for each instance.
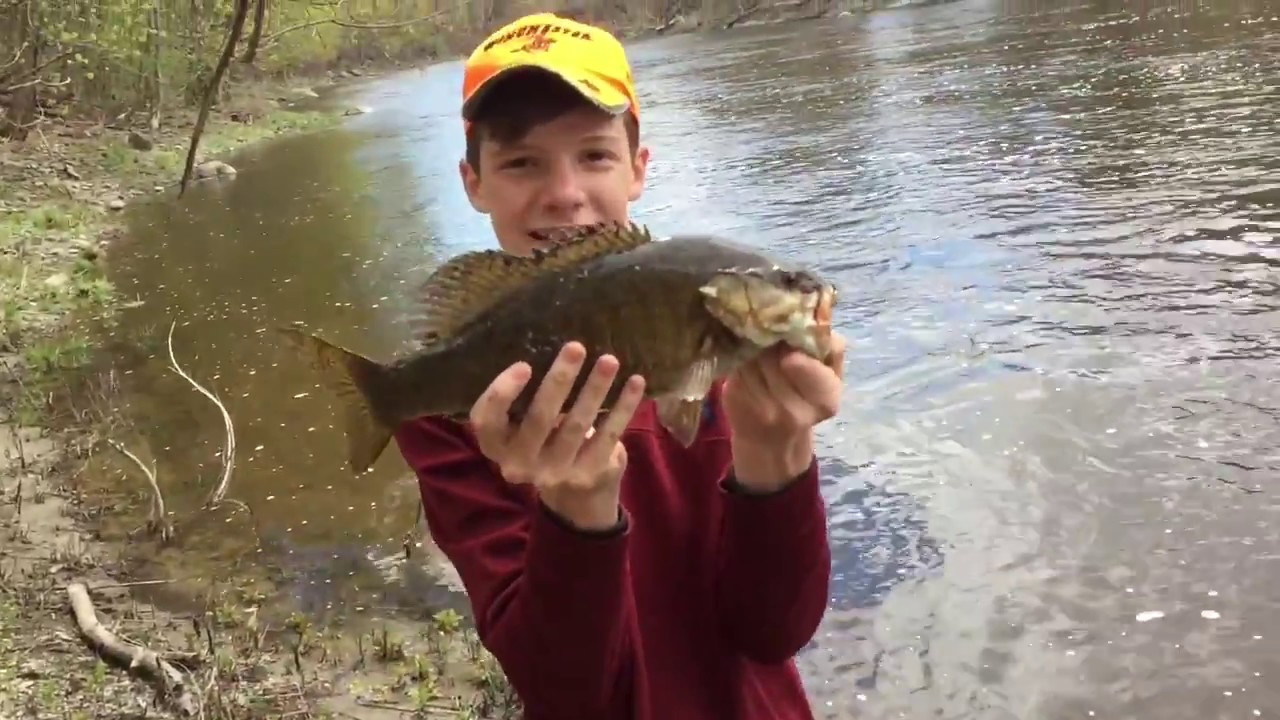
(471, 184)
(639, 169)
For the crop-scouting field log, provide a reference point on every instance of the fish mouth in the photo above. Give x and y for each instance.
(795, 309)
(806, 325)
(823, 301)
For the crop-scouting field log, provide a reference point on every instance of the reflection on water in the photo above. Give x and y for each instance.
(1056, 236)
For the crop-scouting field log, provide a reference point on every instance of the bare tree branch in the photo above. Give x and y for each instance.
(355, 25)
(17, 57)
(34, 73)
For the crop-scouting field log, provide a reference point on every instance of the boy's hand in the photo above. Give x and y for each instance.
(772, 404)
(576, 471)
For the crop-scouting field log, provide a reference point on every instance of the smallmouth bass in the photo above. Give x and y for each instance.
(681, 312)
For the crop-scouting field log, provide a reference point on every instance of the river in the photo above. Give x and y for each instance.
(1056, 232)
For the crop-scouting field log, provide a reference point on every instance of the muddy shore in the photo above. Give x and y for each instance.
(226, 649)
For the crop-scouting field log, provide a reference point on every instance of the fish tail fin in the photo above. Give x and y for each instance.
(351, 377)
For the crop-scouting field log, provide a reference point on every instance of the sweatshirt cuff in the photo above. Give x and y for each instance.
(564, 561)
(793, 498)
(619, 528)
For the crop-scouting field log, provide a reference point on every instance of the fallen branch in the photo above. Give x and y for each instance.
(157, 518)
(229, 447)
(169, 682)
(210, 92)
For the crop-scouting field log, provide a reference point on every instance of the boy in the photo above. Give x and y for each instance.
(614, 573)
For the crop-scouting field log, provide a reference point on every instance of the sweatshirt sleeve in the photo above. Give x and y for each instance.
(775, 567)
(552, 604)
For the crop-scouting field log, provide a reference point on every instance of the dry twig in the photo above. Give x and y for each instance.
(229, 448)
(157, 518)
(140, 661)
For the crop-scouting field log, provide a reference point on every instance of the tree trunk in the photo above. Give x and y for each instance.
(211, 91)
(17, 122)
(255, 36)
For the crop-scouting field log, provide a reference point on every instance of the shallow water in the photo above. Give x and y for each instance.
(1056, 233)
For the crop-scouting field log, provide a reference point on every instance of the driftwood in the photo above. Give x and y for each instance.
(169, 682)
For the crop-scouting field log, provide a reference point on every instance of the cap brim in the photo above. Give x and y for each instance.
(601, 94)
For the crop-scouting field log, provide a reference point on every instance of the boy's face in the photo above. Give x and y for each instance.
(576, 169)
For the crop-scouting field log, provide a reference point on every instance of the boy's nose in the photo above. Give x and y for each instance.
(565, 192)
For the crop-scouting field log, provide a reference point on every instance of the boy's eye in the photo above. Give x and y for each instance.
(596, 156)
(517, 163)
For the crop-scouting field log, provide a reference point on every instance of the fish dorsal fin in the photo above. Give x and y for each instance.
(472, 282)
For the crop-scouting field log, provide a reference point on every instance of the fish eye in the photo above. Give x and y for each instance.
(799, 281)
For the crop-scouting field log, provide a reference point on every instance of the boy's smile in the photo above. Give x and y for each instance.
(576, 169)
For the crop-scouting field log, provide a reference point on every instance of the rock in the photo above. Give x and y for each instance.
(357, 110)
(139, 142)
(85, 249)
(57, 280)
(211, 168)
(116, 204)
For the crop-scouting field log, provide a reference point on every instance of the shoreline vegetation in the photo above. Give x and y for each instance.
(100, 101)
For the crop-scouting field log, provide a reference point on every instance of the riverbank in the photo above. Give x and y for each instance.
(64, 195)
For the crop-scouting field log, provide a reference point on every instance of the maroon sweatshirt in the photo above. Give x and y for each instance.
(693, 609)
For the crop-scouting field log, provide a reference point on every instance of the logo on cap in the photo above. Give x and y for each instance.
(541, 43)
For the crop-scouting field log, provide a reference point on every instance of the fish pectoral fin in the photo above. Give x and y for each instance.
(680, 416)
(681, 411)
(348, 376)
(470, 283)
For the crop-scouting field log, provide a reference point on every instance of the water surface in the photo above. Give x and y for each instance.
(1056, 233)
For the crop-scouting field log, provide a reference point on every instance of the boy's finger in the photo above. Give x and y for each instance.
(489, 415)
(597, 452)
(572, 433)
(547, 403)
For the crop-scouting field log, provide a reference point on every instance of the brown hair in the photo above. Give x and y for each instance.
(512, 109)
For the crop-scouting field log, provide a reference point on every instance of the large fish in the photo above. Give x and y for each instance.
(681, 312)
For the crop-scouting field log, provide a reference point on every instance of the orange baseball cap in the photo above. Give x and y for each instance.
(588, 58)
